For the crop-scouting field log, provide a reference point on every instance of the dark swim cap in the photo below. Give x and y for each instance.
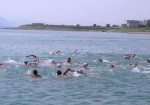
(59, 72)
(35, 72)
(25, 62)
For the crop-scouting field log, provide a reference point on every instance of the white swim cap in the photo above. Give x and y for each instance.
(85, 64)
(59, 66)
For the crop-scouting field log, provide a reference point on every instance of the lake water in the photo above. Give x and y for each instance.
(103, 85)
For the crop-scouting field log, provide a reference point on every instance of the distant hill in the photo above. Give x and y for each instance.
(42, 26)
(4, 23)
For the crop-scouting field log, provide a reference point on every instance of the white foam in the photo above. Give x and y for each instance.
(147, 72)
(75, 74)
(29, 72)
(148, 68)
(51, 52)
(106, 61)
(11, 61)
(136, 69)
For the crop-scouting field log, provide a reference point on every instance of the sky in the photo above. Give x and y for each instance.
(72, 12)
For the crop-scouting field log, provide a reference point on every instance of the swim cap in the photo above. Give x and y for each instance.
(80, 71)
(35, 72)
(133, 65)
(85, 64)
(59, 66)
(59, 72)
(53, 62)
(69, 59)
(25, 62)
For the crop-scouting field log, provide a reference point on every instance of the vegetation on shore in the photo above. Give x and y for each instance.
(133, 30)
(94, 27)
(41, 26)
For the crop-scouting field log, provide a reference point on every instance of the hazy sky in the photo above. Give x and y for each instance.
(83, 12)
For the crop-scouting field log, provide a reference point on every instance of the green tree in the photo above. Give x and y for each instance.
(107, 25)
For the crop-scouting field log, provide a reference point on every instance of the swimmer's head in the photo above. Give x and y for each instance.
(100, 60)
(80, 71)
(85, 64)
(53, 62)
(112, 66)
(59, 66)
(148, 60)
(35, 72)
(69, 59)
(59, 72)
(134, 65)
(25, 62)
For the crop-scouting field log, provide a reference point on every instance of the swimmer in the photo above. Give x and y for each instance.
(148, 61)
(53, 62)
(74, 71)
(113, 66)
(34, 74)
(59, 65)
(34, 63)
(62, 74)
(128, 56)
(69, 60)
(86, 66)
(75, 52)
(1, 64)
(134, 65)
(34, 56)
(100, 60)
(56, 52)
(81, 71)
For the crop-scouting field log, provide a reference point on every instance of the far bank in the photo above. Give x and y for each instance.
(94, 28)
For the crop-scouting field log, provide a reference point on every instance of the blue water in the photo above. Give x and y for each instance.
(103, 85)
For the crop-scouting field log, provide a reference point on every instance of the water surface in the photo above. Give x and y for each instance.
(103, 85)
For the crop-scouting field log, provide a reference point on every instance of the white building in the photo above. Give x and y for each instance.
(133, 23)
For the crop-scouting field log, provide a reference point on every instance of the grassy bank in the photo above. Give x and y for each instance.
(132, 30)
(83, 28)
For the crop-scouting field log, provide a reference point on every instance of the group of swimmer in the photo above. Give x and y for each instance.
(69, 60)
(59, 73)
(85, 66)
(58, 65)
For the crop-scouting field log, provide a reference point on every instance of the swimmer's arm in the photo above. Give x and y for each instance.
(32, 75)
(32, 56)
(38, 75)
(75, 51)
(65, 72)
(32, 63)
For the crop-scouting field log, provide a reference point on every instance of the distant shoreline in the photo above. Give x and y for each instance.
(94, 28)
(80, 31)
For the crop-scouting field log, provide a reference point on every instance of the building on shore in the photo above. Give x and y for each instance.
(136, 23)
(133, 23)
